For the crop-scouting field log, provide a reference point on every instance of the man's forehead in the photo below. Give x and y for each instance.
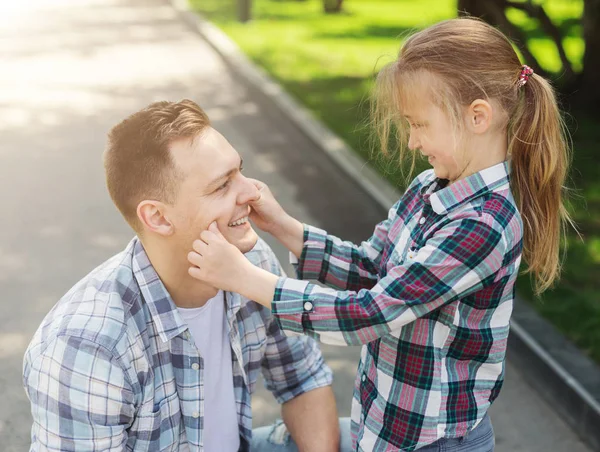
(209, 146)
(208, 157)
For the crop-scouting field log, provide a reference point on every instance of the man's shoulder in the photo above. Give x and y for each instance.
(96, 308)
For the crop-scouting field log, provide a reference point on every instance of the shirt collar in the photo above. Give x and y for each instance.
(164, 312)
(163, 309)
(444, 198)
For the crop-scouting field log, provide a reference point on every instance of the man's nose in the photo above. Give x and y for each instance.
(249, 192)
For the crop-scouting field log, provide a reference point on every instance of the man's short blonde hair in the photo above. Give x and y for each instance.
(137, 159)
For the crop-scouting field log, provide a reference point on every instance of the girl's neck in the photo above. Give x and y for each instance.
(483, 152)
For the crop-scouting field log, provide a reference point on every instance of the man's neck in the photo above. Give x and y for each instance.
(172, 268)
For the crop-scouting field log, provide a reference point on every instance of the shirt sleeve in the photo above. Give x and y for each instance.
(343, 265)
(80, 398)
(461, 258)
(291, 365)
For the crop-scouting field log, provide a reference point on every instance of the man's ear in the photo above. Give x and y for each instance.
(152, 215)
(479, 116)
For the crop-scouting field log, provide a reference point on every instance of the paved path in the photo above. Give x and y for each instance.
(71, 70)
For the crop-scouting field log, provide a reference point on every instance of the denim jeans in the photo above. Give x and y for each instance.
(276, 438)
(481, 439)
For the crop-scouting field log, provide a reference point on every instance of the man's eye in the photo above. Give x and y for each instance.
(224, 186)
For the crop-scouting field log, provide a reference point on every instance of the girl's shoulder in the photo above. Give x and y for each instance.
(422, 180)
(425, 178)
(409, 195)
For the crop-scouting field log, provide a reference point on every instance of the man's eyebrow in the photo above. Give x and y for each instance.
(217, 181)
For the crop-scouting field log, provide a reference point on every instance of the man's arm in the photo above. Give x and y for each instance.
(300, 380)
(312, 420)
(80, 397)
(298, 377)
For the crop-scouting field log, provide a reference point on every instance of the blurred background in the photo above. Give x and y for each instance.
(71, 69)
(326, 52)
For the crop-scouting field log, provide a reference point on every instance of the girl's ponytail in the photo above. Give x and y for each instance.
(540, 158)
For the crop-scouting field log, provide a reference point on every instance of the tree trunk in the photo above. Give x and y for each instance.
(589, 90)
(244, 9)
(332, 6)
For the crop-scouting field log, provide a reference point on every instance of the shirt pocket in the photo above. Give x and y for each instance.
(158, 428)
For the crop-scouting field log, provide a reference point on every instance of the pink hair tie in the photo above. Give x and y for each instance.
(526, 72)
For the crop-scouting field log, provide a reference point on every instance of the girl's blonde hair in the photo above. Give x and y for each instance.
(467, 59)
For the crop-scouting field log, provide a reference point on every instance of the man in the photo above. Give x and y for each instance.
(139, 355)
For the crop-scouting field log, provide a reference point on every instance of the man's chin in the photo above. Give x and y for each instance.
(247, 242)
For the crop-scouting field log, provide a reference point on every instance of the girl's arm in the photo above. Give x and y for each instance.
(322, 257)
(463, 257)
(460, 259)
(339, 264)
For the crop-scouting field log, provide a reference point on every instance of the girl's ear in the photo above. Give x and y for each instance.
(479, 116)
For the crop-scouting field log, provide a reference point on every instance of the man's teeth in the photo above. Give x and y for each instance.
(239, 222)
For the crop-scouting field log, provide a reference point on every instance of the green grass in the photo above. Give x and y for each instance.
(328, 61)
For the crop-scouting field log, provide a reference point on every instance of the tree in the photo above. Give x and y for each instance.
(244, 9)
(589, 87)
(585, 84)
(332, 6)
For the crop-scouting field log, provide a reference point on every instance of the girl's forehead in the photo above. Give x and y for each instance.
(416, 109)
(418, 91)
(415, 100)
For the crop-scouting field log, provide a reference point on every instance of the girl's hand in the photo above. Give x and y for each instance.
(268, 215)
(217, 262)
(220, 264)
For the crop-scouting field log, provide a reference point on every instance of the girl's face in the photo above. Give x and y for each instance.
(432, 133)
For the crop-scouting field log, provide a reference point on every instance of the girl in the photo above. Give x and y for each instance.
(430, 294)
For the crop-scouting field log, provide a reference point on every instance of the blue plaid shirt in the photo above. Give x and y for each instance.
(113, 366)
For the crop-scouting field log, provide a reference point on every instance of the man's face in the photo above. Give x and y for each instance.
(212, 189)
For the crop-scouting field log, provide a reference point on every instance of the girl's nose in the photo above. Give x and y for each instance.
(413, 142)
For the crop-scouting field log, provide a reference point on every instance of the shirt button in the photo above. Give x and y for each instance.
(308, 306)
(195, 366)
(195, 415)
(364, 378)
(422, 220)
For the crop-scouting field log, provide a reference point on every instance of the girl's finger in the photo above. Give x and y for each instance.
(195, 272)
(194, 258)
(207, 236)
(258, 184)
(199, 246)
(215, 230)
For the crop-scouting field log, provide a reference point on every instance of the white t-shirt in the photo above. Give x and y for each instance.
(209, 328)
